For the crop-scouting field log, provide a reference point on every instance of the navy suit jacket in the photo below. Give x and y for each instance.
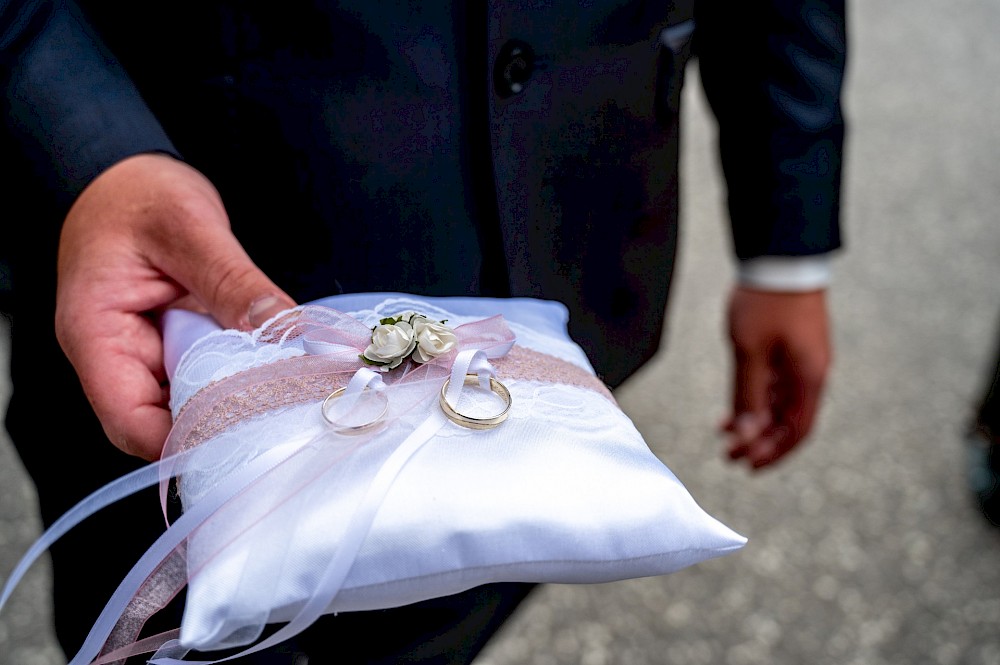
(440, 147)
(506, 148)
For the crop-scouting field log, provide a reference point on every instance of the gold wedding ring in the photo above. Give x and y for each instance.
(360, 428)
(472, 422)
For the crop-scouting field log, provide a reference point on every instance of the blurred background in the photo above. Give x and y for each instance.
(865, 547)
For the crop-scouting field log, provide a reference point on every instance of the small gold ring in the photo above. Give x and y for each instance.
(469, 421)
(353, 429)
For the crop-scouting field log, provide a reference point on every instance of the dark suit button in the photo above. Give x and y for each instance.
(513, 67)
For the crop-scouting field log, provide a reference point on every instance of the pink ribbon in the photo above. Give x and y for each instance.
(334, 342)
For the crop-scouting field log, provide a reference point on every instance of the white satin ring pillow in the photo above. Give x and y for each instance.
(566, 490)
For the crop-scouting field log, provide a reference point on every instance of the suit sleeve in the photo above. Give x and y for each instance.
(773, 74)
(71, 110)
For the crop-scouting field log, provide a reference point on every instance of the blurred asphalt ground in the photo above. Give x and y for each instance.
(864, 546)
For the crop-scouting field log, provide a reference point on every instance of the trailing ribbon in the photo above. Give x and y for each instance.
(333, 343)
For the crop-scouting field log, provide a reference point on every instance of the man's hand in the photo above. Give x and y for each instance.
(781, 345)
(147, 234)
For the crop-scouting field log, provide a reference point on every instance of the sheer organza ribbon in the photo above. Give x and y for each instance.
(333, 343)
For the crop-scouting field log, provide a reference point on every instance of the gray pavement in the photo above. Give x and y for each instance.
(864, 547)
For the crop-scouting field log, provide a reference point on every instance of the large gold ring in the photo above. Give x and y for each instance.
(469, 421)
(359, 428)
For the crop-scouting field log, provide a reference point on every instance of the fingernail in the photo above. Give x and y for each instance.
(747, 425)
(264, 308)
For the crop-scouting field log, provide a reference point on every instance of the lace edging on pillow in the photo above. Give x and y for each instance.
(300, 380)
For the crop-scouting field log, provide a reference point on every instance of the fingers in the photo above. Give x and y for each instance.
(123, 379)
(747, 433)
(148, 234)
(781, 358)
(764, 436)
(752, 415)
(117, 355)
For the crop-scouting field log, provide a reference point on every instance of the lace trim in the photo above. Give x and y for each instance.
(222, 404)
(530, 365)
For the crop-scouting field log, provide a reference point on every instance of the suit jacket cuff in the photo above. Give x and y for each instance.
(73, 111)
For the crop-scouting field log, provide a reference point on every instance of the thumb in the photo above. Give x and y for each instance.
(751, 383)
(266, 306)
(201, 253)
(752, 377)
(751, 408)
(230, 286)
(187, 236)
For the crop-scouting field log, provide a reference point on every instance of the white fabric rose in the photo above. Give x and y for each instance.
(433, 339)
(392, 343)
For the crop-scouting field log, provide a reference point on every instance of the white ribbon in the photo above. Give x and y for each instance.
(170, 539)
(343, 559)
(364, 378)
(470, 361)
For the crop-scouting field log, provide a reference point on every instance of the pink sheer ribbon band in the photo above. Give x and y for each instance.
(333, 346)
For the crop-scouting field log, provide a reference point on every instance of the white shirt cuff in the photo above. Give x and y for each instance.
(786, 273)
